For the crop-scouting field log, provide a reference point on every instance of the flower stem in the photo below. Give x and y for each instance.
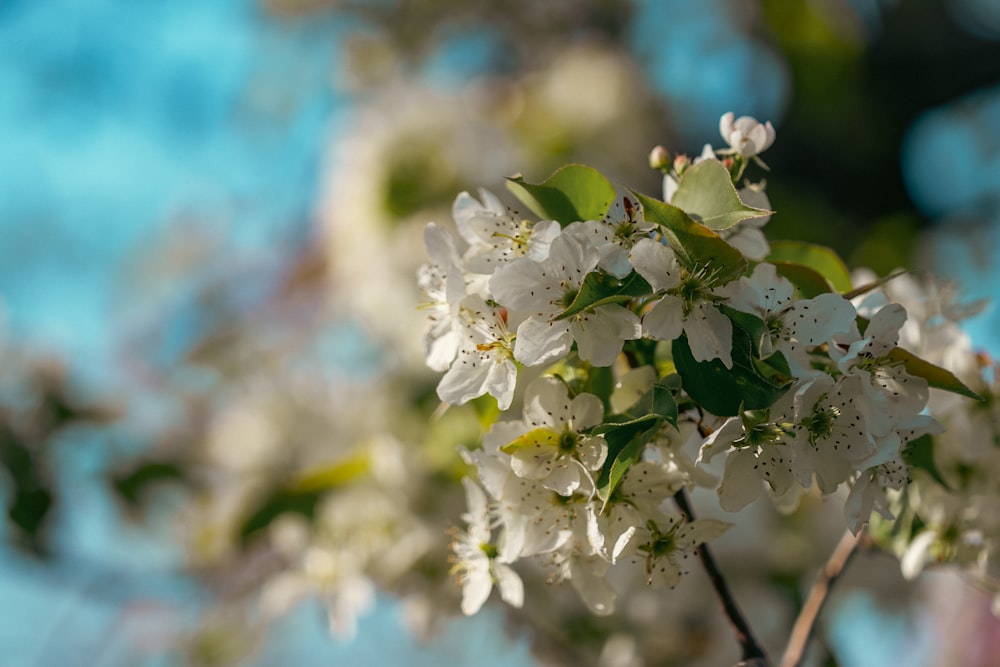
(806, 622)
(744, 635)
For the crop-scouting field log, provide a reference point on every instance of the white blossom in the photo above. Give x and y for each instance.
(685, 304)
(540, 291)
(495, 235)
(745, 135)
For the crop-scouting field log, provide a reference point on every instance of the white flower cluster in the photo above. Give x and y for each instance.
(659, 299)
(948, 512)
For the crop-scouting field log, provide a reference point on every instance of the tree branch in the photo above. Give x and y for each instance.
(805, 624)
(752, 650)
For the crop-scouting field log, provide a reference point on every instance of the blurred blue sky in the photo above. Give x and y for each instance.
(123, 121)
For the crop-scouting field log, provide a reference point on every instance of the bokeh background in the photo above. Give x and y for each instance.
(210, 218)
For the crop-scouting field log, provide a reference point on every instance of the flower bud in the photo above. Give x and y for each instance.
(659, 159)
(681, 162)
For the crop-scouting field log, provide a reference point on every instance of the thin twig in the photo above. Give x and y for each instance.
(744, 635)
(805, 624)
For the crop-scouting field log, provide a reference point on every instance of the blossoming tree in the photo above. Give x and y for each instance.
(639, 347)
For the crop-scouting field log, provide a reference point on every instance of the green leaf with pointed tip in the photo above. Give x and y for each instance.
(626, 442)
(600, 289)
(695, 245)
(809, 282)
(706, 193)
(936, 376)
(820, 259)
(533, 438)
(751, 384)
(574, 192)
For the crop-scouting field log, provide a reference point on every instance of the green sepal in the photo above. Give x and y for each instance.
(820, 259)
(574, 192)
(707, 194)
(600, 289)
(696, 246)
(936, 377)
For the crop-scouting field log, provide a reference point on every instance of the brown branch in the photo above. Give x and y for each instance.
(805, 624)
(752, 650)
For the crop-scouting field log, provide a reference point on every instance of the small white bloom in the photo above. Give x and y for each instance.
(614, 235)
(542, 290)
(792, 325)
(758, 452)
(485, 360)
(687, 304)
(553, 450)
(745, 135)
(477, 559)
(443, 283)
(831, 433)
(669, 541)
(495, 235)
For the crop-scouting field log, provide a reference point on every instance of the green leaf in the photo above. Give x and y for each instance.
(820, 259)
(599, 289)
(809, 282)
(574, 192)
(600, 382)
(751, 384)
(658, 401)
(936, 377)
(752, 324)
(626, 442)
(695, 245)
(919, 453)
(706, 193)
